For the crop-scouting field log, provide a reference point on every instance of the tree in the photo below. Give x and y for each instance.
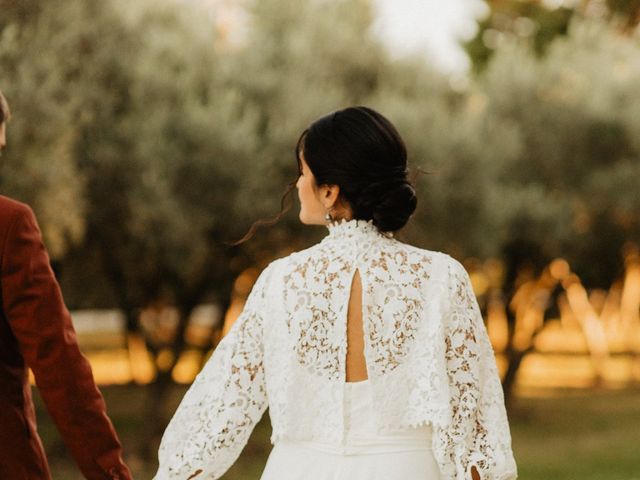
(542, 22)
(563, 187)
(41, 46)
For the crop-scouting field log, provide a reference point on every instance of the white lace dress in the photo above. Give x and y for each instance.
(432, 384)
(363, 454)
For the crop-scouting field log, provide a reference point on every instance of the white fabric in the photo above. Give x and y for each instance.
(363, 454)
(428, 355)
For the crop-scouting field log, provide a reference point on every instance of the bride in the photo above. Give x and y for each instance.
(370, 353)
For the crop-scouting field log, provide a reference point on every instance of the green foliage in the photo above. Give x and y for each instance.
(510, 19)
(572, 114)
(144, 141)
(301, 60)
(542, 23)
(40, 60)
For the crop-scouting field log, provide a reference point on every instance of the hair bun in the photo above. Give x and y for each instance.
(395, 207)
(388, 202)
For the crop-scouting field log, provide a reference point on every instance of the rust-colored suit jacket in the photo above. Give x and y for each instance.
(36, 332)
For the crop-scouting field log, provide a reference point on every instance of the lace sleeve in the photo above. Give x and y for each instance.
(219, 411)
(479, 431)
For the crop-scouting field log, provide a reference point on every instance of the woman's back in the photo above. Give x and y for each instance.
(359, 310)
(353, 300)
(419, 339)
(352, 303)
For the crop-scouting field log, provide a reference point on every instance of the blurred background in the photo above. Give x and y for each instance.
(146, 134)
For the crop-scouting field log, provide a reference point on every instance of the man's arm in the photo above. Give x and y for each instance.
(42, 325)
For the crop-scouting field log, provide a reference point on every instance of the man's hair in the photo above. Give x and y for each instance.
(5, 113)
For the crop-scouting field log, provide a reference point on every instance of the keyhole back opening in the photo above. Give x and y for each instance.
(356, 365)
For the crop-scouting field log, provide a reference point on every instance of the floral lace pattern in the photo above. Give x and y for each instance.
(316, 289)
(428, 357)
(228, 397)
(478, 434)
(394, 306)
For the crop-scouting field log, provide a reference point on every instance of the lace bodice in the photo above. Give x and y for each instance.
(428, 357)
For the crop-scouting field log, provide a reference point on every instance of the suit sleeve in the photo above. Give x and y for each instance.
(221, 408)
(42, 326)
(478, 434)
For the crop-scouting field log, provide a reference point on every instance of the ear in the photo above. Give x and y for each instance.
(329, 195)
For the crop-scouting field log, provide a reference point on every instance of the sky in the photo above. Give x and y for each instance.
(430, 27)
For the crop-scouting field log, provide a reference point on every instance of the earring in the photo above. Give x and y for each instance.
(328, 217)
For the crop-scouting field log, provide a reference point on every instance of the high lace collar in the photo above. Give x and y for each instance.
(355, 228)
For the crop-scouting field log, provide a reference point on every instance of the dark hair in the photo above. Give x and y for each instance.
(5, 113)
(361, 151)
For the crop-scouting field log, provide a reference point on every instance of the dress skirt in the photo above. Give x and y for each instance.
(404, 454)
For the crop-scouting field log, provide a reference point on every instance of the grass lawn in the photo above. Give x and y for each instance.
(573, 435)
